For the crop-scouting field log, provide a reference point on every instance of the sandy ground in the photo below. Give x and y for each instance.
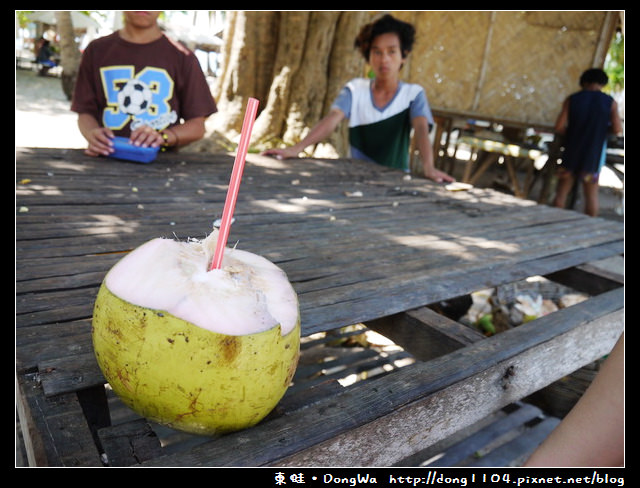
(43, 117)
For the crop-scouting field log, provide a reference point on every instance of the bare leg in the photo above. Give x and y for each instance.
(591, 204)
(563, 187)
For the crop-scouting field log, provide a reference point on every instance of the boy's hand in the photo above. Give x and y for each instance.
(145, 136)
(100, 143)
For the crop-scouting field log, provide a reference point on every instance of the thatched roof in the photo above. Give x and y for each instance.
(513, 65)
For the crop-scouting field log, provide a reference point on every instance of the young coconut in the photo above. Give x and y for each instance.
(202, 351)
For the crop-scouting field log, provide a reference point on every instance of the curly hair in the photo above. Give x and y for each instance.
(386, 24)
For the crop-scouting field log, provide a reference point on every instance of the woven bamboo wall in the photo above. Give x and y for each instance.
(515, 65)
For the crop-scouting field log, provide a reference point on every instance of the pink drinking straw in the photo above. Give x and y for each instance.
(234, 183)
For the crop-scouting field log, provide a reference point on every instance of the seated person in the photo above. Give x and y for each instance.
(43, 57)
(137, 83)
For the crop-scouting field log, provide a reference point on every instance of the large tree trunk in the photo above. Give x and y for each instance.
(69, 53)
(295, 63)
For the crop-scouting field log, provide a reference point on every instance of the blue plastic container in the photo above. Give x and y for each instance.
(125, 150)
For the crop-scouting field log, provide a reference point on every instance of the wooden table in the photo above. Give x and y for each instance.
(511, 153)
(360, 244)
(512, 149)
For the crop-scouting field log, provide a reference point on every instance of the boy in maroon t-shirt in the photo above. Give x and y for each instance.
(138, 83)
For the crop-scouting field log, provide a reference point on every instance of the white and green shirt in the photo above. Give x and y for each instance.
(382, 134)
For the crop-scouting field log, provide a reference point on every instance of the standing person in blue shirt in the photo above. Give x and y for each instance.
(382, 111)
(586, 119)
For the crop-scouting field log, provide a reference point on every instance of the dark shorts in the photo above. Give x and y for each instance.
(579, 175)
(582, 171)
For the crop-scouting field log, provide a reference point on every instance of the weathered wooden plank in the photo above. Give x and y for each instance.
(64, 282)
(70, 373)
(297, 398)
(130, 443)
(425, 333)
(35, 309)
(54, 429)
(35, 345)
(520, 448)
(611, 268)
(454, 455)
(593, 278)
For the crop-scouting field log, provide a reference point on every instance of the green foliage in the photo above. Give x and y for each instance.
(614, 64)
(21, 17)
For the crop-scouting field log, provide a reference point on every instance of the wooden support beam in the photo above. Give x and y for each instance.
(592, 278)
(420, 423)
(60, 418)
(425, 333)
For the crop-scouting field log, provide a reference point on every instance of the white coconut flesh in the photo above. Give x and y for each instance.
(247, 295)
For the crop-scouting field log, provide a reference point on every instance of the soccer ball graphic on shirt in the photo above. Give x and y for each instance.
(134, 97)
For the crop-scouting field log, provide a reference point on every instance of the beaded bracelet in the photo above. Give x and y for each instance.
(165, 138)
